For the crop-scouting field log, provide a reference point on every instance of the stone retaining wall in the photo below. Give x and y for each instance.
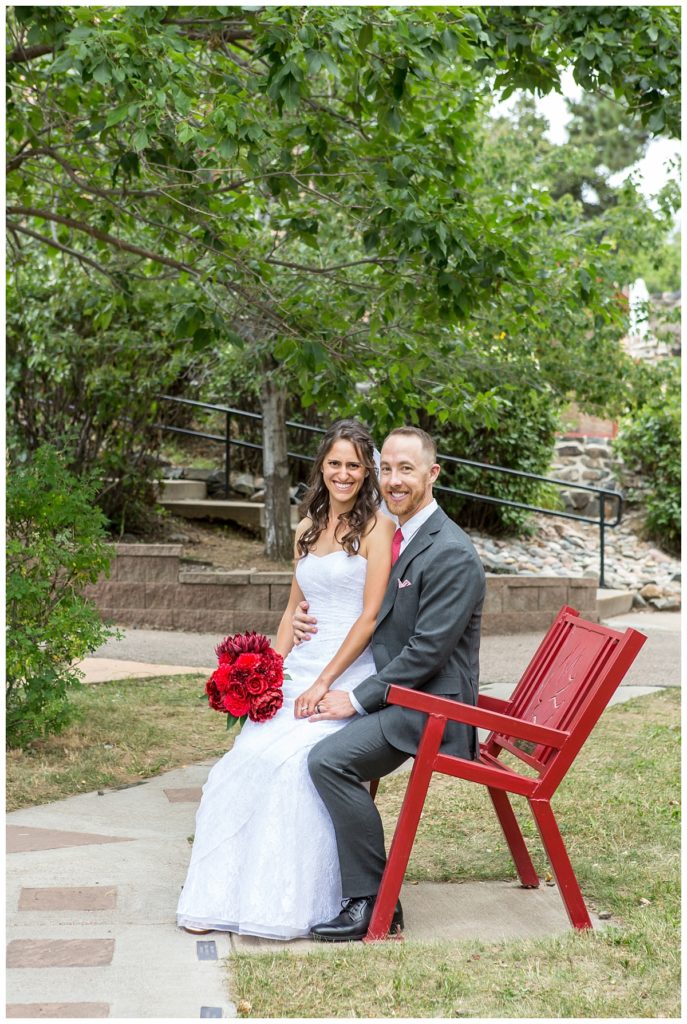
(151, 587)
(589, 461)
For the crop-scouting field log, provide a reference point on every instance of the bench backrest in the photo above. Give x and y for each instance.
(567, 684)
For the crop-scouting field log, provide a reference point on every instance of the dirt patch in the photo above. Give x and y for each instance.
(223, 545)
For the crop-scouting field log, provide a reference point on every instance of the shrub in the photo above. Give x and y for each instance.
(522, 439)
(55, 546)
(84, 366)
(649, 443)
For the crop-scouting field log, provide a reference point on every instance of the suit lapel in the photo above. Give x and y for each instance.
(420, 542)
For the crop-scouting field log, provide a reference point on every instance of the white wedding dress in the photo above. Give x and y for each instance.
(264, 859)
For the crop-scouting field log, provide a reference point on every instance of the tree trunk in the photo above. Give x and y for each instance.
(275, 463)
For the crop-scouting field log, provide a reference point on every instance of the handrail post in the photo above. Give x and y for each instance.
(602, 537)
(227, 453)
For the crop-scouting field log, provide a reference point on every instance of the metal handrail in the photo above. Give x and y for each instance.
(603, 494)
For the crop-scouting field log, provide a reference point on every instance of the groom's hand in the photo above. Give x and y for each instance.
(336, 704)
(302, 623)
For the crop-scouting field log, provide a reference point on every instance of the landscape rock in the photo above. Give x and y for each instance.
(242, 483)
(571, 549)
(666, 604)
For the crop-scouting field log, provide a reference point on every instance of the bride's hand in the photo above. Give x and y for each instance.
(307, 701)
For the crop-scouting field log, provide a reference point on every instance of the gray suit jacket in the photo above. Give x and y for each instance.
(427, 634)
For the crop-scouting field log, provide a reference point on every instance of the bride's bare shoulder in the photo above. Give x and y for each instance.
(380, 529)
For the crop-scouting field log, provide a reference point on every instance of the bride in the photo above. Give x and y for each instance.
(264, 858)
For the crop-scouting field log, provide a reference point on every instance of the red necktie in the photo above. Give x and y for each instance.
(396, 545)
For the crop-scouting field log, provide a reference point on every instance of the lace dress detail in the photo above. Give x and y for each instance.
(264, 858)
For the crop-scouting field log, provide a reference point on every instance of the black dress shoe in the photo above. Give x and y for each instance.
(352, 923)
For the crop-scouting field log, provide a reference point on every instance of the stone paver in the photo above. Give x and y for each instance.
(189, 795)
(72, 1010)
(71, 897)
(60, 952)
(22, 839)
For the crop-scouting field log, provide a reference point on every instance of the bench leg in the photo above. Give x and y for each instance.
(554, 846)
(516, 843)
(406, 828)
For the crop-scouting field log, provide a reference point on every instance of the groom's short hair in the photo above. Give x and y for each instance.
(427, 442)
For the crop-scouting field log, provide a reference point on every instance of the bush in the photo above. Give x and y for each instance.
(84, 366)
(522, 439)
(55, 546)
(649, 443)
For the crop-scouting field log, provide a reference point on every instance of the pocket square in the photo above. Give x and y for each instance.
(404, 583)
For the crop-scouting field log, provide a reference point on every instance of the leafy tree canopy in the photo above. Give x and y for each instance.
(322, 180)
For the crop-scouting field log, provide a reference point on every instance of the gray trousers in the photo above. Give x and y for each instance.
(339, 764)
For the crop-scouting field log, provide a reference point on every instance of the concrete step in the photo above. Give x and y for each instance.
(245, 513)
(181, 490)
(613, 602)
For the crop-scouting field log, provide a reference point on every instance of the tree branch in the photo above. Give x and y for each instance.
(328, 270)
(20, 54)
(47, 240)
(102, 236)
(105, 193)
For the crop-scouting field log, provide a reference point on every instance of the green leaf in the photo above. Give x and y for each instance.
(365, 36)
(102, 73)
(228, 148)
(79, 34)
(118, 114)
(140, 139)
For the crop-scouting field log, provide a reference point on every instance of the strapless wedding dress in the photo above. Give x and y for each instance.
(264, 859)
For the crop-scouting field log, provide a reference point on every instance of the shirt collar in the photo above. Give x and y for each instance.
(410, 528)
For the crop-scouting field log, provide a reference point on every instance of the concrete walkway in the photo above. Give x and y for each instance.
(92, 881)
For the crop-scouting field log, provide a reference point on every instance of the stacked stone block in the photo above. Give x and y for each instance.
(589, 461)
(151, 587)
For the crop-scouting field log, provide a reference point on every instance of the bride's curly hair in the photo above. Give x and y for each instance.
(315, 504)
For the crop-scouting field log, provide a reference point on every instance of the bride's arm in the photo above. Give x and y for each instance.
(284, 641)
(378, 553)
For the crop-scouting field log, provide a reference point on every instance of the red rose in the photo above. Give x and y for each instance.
(222, 676)
(247, 662)
(257, 683)
(235, 700)
(275, 674)
(214, 695)
(265, 705)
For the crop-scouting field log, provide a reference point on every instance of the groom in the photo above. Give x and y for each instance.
(426, 637)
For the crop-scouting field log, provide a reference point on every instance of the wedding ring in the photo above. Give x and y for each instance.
(317, 709)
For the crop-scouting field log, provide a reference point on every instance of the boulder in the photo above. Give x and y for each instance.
(242, 483)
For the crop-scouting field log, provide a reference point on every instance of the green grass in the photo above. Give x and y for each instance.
(619, 812)
(126, 732)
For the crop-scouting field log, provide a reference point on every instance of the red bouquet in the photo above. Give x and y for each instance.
(248, 679)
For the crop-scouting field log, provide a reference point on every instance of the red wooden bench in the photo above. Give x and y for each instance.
(554, 707)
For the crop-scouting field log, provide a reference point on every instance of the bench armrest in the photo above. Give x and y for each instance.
(489, 703)
(480, 717)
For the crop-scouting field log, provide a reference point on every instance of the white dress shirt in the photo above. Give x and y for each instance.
(409, 529)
